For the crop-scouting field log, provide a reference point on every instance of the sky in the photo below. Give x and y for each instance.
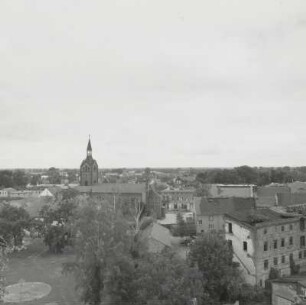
(163, 83)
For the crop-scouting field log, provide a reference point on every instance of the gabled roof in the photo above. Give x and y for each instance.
(113, 188)
(219, 206)
(158, 233)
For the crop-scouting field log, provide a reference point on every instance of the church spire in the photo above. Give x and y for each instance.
(89, 149)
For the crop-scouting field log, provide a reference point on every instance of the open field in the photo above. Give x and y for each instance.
(36, 265)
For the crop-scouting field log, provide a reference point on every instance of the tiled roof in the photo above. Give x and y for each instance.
(220, 206)
(113, 188)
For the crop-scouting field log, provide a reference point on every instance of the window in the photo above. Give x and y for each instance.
(283, 228)
(260, 283)
(275, 243)
(230, 227)
(291, 241)
(291, 256)
(200, 221)
(265, 246)
(202, 231)
(283, 242)
(302, 224)
(302, 241)
(304, 253)
(211, 226)
(230, 243)
(283, 259)
(291, 227)
(265, 231)
(275, 261)
(300, 254)
(266, 264)
(245, 246)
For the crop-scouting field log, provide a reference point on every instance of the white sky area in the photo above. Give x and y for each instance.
(175, 83)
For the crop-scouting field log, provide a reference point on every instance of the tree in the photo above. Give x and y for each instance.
(57, 223)
(181, 227)
(3, 264)
(101, 240)
(13, 222)
(220, 276)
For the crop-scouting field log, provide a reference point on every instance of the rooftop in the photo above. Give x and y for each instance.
(219, 206)
(113, 188)
(261, 217)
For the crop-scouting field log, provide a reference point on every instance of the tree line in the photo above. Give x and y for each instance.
(252, 175)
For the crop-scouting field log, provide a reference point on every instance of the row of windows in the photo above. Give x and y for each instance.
(283, 243)
(282, 228)
(211, 218)
(283, 259)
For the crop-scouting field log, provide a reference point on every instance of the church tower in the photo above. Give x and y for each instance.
(89, 168)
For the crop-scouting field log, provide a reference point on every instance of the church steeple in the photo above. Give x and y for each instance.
(89, 149)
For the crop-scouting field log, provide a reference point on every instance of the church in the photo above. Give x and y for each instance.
(117, 193)
(89, 171)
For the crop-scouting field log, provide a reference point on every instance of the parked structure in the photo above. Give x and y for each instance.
(262, 239)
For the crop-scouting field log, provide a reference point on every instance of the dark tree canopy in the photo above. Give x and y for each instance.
(13, 222)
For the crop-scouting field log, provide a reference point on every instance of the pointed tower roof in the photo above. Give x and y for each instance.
(89, 146)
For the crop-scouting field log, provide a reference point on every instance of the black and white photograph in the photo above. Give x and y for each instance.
(153, 152)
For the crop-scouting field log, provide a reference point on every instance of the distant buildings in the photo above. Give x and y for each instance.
(263, 239)
(178, 199)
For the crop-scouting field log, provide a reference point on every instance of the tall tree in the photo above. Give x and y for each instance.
(220, 276)
(102, 238)
(13, 222)
(3, 264)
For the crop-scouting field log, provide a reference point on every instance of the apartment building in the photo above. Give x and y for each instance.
(262, 239)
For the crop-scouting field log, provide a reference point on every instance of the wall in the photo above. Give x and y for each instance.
(245, 258)
(209, 223)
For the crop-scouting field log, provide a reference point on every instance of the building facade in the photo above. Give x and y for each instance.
(209, 212)
(89, 170)
(178, 200)
(264, 239)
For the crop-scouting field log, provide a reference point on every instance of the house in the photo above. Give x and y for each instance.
(289, 291)
(6, 192)
(178, 199)
(209, 212)
(156, 237)
(262, 239)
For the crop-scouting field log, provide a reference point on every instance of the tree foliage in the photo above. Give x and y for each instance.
(13, 222)
(14, 179)
(220, 276)
(252, 175)
(3, 265)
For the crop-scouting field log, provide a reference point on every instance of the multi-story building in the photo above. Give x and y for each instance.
(262, 239)
(209, 212)
(178, 199)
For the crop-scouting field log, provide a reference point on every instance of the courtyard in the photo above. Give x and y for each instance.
(34, 277)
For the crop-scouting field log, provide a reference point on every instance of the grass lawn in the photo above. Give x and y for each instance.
(36, 265)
